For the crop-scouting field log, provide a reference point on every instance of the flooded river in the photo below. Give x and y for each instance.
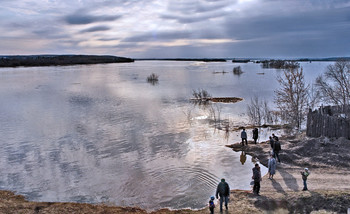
(102, 133)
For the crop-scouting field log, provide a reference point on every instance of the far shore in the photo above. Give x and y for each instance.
(55, 60)
(63, 60)
(329, 192)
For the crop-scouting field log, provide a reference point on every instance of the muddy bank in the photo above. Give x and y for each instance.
(328, 183)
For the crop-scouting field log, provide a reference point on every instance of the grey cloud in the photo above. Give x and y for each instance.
(79, 19)
(108, 39)
(194, 18)
(198, 6)
(320, 21)
(95, 29)
(196, 11)
(158, 36)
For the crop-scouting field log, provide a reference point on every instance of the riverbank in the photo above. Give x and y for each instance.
(328, 183)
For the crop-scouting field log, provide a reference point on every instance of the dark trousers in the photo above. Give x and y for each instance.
(305, 185)
(246, 142)
(276, 155)
(211, 210)
(222, 200)
(256, 188)
(255, 140)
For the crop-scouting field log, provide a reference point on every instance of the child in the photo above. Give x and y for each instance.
(211, 204)
(304, 177)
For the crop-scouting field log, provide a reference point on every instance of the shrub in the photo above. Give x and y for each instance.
(237, 70)
(153, 78)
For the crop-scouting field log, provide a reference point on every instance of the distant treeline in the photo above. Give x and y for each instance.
(188, 59)
(246, 60)
(241, 60)
(47, 60)
(280, 64)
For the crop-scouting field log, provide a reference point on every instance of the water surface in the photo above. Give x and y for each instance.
(101, 133)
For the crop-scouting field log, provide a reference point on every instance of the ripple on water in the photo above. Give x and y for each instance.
(172, 186)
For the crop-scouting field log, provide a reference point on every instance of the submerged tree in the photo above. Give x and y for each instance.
(255, 111)
(259, 112)
(291, 97)
(237, 70)
(334, 84)
(153, 79)
(201, 94)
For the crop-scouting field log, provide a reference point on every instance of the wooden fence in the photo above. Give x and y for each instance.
(329, 121)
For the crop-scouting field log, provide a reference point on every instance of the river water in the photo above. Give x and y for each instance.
(102, 133)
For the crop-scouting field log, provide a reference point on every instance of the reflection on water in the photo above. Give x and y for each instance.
(101, 133)
(243, 157)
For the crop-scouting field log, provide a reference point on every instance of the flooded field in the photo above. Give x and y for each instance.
(102, 133)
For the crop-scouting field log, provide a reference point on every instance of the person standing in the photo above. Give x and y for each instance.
(223, 190)
(276, 150)
(271, 166)
(274, 137)
(211, 205)
(257, 178)
(244, 137)
(272, 142)
(304, 175)
(255, 134)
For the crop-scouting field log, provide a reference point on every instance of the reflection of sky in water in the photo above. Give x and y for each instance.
(102, 133)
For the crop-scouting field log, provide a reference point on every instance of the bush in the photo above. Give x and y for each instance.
(153, 78)
(237, 70)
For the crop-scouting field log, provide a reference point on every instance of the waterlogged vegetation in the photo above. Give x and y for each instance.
(237, 70)
(280, 64)
(153, 79)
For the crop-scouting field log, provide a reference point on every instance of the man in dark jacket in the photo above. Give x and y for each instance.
(223, 190)
(255, 134)
(272, 142)
(257, 178)
(276, 150)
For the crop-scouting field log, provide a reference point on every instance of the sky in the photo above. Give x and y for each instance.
(177, 28)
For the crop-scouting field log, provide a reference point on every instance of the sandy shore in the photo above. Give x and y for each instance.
(328, 183)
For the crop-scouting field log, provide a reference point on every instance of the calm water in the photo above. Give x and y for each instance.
(101, 133)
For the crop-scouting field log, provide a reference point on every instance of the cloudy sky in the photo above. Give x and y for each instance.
(176, 28)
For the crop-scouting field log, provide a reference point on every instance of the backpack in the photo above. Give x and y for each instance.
(211, 204)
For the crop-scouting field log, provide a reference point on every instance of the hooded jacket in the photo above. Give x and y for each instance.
(223, 189)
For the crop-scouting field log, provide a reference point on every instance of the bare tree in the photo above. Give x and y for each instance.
(314, 97)
(201, 94)
(268, 118)
(259, 112)
(255, 111)
(215, 113)
(334, 84)
(291, 97)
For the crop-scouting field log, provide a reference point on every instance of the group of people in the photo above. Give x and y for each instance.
(244, 136)
(275, 146)
(223, 189)
(275, 149)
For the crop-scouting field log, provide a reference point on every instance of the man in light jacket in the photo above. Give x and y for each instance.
(244, 137)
